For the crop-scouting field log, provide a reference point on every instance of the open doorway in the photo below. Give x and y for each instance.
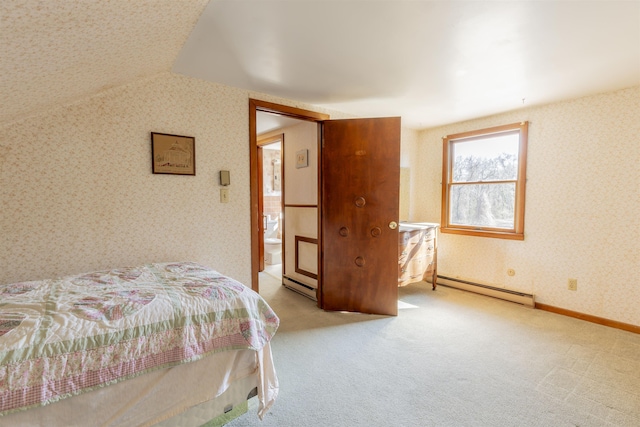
(288, 202)
(259, 113)
(345, 227)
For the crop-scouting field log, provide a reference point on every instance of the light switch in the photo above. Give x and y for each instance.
(224, 195)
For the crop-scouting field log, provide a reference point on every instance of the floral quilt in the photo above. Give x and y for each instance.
(66, 336)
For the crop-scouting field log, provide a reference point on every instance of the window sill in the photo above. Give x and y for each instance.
(482, 233)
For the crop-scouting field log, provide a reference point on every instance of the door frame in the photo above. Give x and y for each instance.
(256, 105)
(261, 208)
(261, 143)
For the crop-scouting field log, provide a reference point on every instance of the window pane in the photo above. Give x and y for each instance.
(492, 159)
(483, 205)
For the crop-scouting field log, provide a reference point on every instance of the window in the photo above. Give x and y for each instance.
(483, 182)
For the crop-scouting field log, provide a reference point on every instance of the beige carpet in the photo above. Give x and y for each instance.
(450, 358)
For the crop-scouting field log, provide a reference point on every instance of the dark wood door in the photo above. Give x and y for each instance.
(360, 180)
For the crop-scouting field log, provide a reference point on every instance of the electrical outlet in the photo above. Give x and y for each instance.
(572, 284)
(511, 272)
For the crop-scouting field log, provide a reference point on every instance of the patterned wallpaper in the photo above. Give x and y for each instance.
(77, 192)
(582, 204)
(56, 51)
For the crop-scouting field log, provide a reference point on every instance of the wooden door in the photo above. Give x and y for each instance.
(360, 180)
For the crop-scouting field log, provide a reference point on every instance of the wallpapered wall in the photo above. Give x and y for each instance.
(77, 192)
(582, 204)
(69, 50)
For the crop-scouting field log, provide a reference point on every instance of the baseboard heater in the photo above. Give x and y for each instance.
(301, 288)
(492, 291)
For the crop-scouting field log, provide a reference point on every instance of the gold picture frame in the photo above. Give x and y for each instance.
(173, 154)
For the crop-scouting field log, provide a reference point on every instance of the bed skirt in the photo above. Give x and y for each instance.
(196, 390)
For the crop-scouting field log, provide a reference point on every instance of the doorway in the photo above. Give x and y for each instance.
(271, 199)
(345, 237)
(257, 220)
(288, 207)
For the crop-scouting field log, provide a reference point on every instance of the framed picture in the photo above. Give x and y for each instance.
(173, 154)
(302, 158)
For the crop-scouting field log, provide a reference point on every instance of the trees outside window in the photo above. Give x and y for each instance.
(483, 183)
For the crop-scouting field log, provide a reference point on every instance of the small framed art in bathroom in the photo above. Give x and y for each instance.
(302, 158)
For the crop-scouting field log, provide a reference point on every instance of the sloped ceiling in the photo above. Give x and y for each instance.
(56, 51)
(431, 62)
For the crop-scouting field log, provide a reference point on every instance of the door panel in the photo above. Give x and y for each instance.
(360, 199)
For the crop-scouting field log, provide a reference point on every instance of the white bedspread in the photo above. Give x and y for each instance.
(64, 337)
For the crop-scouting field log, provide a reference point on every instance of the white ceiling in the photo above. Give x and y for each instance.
(431, 62)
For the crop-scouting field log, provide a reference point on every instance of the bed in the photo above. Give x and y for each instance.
(159, 344)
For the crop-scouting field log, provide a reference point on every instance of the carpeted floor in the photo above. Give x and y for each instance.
(450, 358)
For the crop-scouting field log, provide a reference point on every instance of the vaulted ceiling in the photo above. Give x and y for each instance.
(431, 62)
